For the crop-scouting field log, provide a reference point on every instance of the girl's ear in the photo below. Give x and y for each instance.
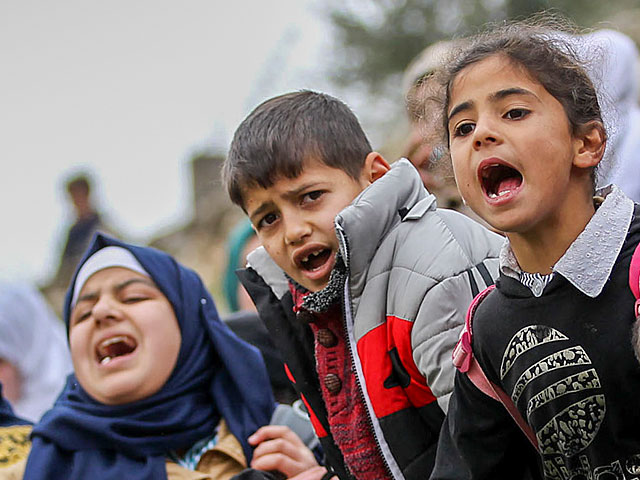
(375, 166)
(590, 143)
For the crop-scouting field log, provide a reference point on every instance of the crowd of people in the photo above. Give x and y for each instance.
(402, 340)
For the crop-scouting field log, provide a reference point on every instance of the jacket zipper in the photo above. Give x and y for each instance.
(344, 247)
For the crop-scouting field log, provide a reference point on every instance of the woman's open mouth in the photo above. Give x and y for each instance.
(114, 347)
(499, 181)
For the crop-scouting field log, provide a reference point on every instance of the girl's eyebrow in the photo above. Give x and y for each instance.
(507, 92)
(494, 97)
(460, 108)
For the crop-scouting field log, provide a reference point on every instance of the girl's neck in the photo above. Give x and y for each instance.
(539, 249)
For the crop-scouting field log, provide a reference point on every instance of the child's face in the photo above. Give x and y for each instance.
(511, 147)
(124, 337)
(294, 220)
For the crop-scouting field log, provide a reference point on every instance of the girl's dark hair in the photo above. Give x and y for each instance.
(283, 132)
(543, 47)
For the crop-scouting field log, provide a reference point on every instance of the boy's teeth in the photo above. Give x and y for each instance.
(105, 360)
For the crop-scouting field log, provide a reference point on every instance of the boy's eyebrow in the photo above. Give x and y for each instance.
(494, 97)
(258, 211)
(94, 295)
(294, 192)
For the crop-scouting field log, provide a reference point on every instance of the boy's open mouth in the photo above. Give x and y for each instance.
(315, 260)
(499, 180)
(113, 347)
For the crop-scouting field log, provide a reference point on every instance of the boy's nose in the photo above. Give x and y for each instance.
(296, 230)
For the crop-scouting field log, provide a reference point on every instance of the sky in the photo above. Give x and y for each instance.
(128, 91)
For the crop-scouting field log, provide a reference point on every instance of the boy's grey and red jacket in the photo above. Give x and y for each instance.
(412, 272)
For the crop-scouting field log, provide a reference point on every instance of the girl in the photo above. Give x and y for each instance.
(161, 387)
(526, 135)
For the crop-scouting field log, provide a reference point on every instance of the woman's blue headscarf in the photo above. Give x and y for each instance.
(7, 417)
(217, 375)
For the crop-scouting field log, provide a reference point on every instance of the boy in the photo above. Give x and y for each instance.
(362, 283)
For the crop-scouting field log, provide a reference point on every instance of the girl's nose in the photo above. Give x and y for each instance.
(485, 134)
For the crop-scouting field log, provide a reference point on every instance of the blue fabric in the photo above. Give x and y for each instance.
(216, 375)
(7, 417)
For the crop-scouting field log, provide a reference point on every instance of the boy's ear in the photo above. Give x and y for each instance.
(375, 166)
(590, 145)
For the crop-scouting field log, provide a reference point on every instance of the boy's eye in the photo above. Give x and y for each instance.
(463, 129)
(312, 196)
(516, 113)
(267, 220)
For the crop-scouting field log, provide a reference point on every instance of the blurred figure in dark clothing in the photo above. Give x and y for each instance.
(87, 222)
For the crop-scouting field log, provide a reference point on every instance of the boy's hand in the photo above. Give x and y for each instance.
(278, 448)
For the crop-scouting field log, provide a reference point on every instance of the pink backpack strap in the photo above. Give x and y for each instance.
(634, 278)
(464, 361)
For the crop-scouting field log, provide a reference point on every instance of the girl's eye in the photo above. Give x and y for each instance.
(516, 113)
(267, 220)
(463, 129)
(312, 196)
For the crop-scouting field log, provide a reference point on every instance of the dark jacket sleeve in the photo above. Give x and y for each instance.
(479, 439)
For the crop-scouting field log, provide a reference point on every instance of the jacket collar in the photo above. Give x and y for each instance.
(589, 260)
(397, 196)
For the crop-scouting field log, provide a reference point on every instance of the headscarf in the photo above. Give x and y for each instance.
(7, 417)
(217, 375)
(34, 341)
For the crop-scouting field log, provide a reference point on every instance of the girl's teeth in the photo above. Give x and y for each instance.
(499, 194)
(105, 360)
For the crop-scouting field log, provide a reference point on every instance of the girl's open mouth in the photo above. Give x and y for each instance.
(114, 347)
(499, 180)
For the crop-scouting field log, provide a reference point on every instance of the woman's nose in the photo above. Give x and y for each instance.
(105, 312)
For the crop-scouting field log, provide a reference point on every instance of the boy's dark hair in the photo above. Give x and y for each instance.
(282, 133)
(540, 45)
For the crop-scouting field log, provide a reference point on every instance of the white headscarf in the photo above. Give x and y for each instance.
(34, 340)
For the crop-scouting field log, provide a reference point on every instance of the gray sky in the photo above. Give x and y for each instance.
(129, 90)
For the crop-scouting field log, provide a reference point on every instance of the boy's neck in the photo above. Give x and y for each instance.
(537, 251)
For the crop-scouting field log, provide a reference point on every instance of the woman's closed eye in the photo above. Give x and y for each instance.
(517, 113)
(80, 316)
(134, 298)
